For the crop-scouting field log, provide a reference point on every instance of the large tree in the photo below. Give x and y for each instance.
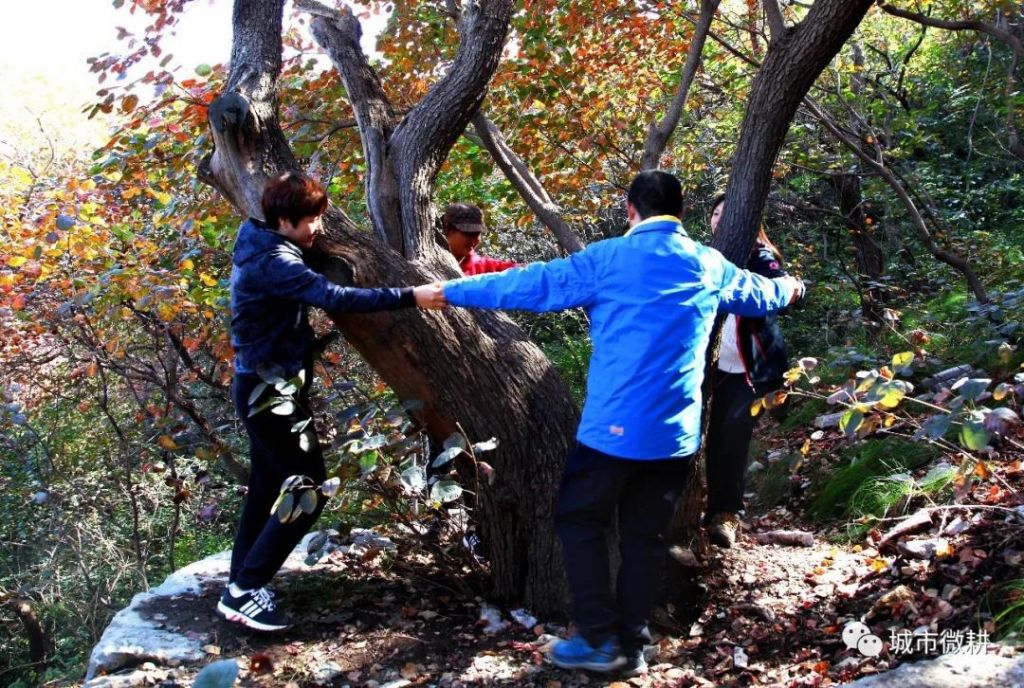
(472, 371)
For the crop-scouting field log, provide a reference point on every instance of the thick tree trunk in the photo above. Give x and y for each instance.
(795, 58)
(476, 371)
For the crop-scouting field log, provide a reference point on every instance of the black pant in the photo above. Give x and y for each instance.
(262, 542)
(644, 493)
(728, 443)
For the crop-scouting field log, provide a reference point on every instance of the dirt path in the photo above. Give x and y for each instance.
(769, 615)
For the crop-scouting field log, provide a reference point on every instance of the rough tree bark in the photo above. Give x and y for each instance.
(474, 370)
(794, 59)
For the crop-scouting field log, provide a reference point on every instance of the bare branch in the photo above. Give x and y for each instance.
(878, 165)
(997, 32)
(526, 183)
(659, 134)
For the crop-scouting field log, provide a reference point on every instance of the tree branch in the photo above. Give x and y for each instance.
(339, 32)
(776, 23)
(526, 183)
(1009, 38)
(659, 134)
(957, 262)
(248, 108)
(425, 136)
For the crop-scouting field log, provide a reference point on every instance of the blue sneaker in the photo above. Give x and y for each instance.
(576, 653)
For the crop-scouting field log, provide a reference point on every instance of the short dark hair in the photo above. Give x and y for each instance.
(292, 196)
(656, 193)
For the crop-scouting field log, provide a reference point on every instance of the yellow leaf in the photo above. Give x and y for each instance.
(167, 442)
(981, 470)
(805, 449)
(755, 408)
(187, 264)
(17, 261)
(207, 280)
(902, 359)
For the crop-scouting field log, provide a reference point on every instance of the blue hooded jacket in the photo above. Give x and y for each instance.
(271, 291)
(652, 296)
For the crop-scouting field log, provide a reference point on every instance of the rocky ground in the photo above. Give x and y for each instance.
(767, 614)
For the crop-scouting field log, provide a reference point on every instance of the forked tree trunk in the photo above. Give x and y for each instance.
(795, 58)
(471, 369)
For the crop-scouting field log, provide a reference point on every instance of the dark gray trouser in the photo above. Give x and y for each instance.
(728, 443)
(262, 542)
(594, 486)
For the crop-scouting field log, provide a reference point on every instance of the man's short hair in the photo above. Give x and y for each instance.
(656, 193)
(464, 217)
(292, 196)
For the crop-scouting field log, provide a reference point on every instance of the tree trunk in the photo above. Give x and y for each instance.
(867, 252)
(477, 371)
(795, 58)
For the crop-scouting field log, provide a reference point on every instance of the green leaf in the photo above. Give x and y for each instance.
(368, 462)
(368, 444)
(936, 426)
(902, 359)
(257, 391)
(445, 456)
(308, 500)
(414, 479)
(204, 70)
(222, 674)
(973, 434)
(330, 487)
(971, 389)
(850, 422)
(307, 440)
(283, 507)
(283, 407)
(445, 490)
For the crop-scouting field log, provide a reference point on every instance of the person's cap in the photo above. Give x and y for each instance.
(464, 217)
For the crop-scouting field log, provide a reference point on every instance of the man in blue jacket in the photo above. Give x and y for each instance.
(652, 296)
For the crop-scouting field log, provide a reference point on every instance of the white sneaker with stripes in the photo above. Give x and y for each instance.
(254, 609)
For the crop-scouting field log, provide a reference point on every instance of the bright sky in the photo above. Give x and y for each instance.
(44, 45)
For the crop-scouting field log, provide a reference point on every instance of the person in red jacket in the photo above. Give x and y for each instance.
(463, 223)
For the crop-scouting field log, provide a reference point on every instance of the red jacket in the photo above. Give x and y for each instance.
(475, 264)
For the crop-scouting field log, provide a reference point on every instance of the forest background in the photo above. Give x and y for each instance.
(897, 195)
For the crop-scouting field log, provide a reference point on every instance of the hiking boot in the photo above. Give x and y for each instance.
(576, 653)
(723, 529)
(253, 609)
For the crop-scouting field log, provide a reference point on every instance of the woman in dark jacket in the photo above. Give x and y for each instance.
(751, 363)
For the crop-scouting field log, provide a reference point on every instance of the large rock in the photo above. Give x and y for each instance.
(136, 636)
(951, 671)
